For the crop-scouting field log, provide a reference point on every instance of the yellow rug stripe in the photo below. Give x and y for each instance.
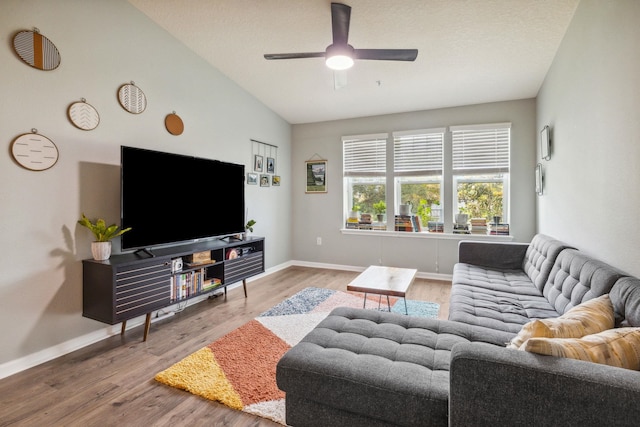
(200, 374)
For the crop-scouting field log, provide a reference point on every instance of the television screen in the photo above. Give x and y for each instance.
(171, 198)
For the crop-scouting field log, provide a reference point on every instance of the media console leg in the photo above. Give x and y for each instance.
(147, 324)
(244, 285)
(124, 327)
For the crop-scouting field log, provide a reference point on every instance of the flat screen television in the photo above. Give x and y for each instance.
(172, 198)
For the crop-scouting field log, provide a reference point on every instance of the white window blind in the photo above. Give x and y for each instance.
(365, 155)
(479, 149)
(418, 152)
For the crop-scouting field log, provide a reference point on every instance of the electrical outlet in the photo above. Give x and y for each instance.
(319, 241)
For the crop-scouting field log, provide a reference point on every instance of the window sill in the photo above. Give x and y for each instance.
(425, 235)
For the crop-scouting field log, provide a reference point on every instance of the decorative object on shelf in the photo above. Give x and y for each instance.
(101, 247)
(34, 151)
(264, 180)
(36, 50)
(316, 171)
(132, 98)
(405, 209)
(232, 254)
(539, 179)
(545, 143)
(83, 116)
(275, 180)
(249, 225)
(174, 124)
(252, 178)
(257, 163)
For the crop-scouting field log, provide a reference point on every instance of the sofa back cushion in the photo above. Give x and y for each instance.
(575, 278)
(625, 296)
(540, 257)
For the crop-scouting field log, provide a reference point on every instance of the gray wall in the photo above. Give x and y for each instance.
(321, 215)
(591, 99)
(104, 44)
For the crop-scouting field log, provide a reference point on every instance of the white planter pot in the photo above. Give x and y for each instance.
(101, 250)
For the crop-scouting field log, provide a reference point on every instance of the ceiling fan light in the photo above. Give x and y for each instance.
(339, 62)
(339, 57)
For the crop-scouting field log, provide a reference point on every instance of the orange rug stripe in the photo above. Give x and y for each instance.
(251, 345)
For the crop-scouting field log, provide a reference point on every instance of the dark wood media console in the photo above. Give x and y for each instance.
(134, 284)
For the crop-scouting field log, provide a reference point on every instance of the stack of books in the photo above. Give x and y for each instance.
(365, 222)
(404, 223)
(352, 222)
(461, 229)
(435, 227)
(209, 284)
(499, 229)
(479, 226)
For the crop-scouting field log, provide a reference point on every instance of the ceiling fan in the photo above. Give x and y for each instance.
(340, 55)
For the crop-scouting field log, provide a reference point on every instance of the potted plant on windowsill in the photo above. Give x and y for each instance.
(380, 208)
(101, 247)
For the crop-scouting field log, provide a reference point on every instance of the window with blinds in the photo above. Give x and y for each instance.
(481, 149)
(418, 153)
(365, 155)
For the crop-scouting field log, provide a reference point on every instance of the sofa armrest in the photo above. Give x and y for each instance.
(491, 385)
(498, 255)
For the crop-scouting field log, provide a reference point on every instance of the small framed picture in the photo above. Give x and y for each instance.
(264, 180)
(252, 178)
(257, 163)
(271, 165)
(275, 180)
(316, 176)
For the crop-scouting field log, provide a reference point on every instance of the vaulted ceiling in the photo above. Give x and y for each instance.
(470, 51)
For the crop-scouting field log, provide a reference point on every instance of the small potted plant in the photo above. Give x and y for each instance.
(101, 247)
(380, 208)
(249, 226)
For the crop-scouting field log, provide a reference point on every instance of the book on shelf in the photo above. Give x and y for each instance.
(403, 223)
(461, 229)
(499, 230)
(435, 227)
(211, 284)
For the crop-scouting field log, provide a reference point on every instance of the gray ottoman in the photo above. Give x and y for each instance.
(366, 368)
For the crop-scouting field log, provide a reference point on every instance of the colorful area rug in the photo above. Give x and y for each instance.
(239, 369)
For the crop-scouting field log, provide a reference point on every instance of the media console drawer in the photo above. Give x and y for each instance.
(242, 267)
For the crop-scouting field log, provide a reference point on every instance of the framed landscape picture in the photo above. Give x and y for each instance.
(252, 178)
(316, 176)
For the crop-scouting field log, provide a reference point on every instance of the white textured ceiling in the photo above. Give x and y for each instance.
(469, 51)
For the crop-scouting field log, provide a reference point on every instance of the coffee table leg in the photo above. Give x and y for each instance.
(364, 303)
(388, 304)
(405, 306)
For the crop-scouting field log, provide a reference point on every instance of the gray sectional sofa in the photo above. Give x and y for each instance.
(369, 368)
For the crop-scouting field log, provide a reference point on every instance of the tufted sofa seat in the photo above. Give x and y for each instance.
(551, 280)
(365, 368)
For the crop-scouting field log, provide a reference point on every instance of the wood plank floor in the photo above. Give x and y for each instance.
(111, 383)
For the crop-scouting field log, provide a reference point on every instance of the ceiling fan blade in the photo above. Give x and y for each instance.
(294, 55)
(339, 79)
(387, 54)
(340, 17)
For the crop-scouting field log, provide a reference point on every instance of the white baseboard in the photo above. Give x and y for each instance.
(34, 359)
(429, 276)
